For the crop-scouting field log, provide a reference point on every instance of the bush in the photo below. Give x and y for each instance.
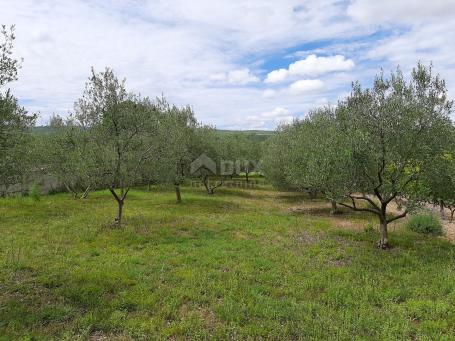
(35, 192)
(425, 224)
(369, 228)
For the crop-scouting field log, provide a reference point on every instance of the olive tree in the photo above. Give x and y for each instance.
(67, 156)
(438, 180)
(15, 122)
(119, 126)
(392, 130)
(276, 158)
(207, 147)
(8, 63)
(317, 157)
(246, 154)
(171, 158)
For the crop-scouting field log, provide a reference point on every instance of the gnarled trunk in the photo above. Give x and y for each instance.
(383, 243)
(177, 194)
(120, 202)
(118, 219)
(334, 208)
(312, 192)
(441, 209)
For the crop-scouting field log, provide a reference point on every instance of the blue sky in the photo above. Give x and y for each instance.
(239, 64)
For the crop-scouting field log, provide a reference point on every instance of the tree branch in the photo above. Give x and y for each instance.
(402, 215)
(114, 194)
(363, 197)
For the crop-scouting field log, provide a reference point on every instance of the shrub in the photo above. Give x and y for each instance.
(35, 192)
(369, 228)
(425, 224)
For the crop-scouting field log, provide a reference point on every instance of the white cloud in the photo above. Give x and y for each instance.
(189, 50)
(403, 11)
(277, 76)
(315, 66)
(236, 77)
(273, 117)
(269, 93)
(305, 86)
(311, 66)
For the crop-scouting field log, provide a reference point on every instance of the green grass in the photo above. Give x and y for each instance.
(236, 265)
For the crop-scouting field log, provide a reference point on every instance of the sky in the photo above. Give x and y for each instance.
(238, 64)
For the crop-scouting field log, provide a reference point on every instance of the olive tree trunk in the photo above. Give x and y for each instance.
(441, 209)
(334, 208)
(177, 194)
(120, 202)
(383, 242)
(118, 219)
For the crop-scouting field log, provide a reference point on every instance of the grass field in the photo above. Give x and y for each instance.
(239, 264)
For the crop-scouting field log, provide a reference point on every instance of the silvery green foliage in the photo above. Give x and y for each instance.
(119, 126)
(170, 164)
(68, 156)
(380, 144)
(438, 177)
(276, 157)
(15, 157)
(8, 64)
(318, 157)
(242, 150)
(171, 157)
(393, 131)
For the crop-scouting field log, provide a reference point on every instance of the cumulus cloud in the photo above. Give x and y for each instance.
(236, 77)
(277, 76)
(211, 54)
(305, 86)
(403, 11)
(311, 66)
(273, 117)
(269, 93)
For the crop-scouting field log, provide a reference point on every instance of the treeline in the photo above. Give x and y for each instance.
(393, 142)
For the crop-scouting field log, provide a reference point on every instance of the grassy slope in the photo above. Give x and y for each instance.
(236, 264)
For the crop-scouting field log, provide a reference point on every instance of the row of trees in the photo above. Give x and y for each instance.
(114, 140)
(393, 142)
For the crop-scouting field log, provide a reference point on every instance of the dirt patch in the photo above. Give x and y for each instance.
(306, 238)
(447, 225)
(347, 224)
(209, 317)
(339, 263)
(100, 336)
(316, 209)
(322, 209)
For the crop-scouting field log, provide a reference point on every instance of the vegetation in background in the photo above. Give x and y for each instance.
(374, 148)
(15, 122)
(35, 192)
(425, 224)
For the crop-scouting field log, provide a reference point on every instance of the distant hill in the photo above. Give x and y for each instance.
(255, 135)
(42, 130)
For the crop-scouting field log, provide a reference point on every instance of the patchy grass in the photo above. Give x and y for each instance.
(238, 264)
